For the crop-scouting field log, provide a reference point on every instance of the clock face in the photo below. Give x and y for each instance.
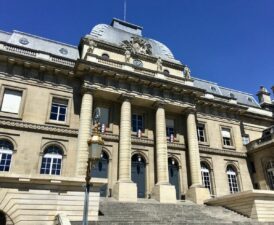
(137, 62)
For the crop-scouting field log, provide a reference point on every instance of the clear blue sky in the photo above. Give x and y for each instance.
(230, 42)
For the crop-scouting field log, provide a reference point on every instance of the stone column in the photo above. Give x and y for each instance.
(163, 191)
(125, 189)
(161, 146)
(125, 142)
(84, 133)
(196, 193)
(193, 150)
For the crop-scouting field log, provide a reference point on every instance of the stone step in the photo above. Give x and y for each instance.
(147, 212)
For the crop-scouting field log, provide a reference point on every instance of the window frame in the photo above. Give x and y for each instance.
(67, 118)
(231, 188)
(52, 156)
(174, 131)
(204, 124)
(145, 115)
(232, 146)
(110, 107)
(18, 115)
(143, 122)
(7, 151)
(210, 177)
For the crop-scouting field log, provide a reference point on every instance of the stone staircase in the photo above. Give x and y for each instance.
(150, 212)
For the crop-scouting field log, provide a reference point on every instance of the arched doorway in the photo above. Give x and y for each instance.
(3, 220)
(173, 172)
(100, 170)
(138, 174)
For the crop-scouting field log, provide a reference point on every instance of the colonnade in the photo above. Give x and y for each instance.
(125, 189)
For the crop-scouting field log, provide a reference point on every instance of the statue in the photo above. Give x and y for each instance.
(127, 56)
(187, 72)
(159, 63)
(91, 47)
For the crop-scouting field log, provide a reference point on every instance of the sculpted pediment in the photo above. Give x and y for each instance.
(137, 45)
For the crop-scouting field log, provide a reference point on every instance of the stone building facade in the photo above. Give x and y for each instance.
(167, 135)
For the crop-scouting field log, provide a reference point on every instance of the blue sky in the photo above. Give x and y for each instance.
(230, 42)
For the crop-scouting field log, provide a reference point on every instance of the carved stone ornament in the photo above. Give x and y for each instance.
(137, 45)
(159, 63)
(127, 56)
(187, 72)
(92, 45)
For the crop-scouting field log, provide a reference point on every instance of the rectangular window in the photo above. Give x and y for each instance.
(169, 127)
(137, 122)
(104, 119)
(201, 133)
(226, 134)
(58, 110)
(11, 101)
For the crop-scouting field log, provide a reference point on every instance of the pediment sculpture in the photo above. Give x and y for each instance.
(137, 45)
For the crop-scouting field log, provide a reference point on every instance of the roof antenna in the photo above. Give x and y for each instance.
(125, 10)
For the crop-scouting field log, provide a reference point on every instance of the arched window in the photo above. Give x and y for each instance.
(52, 160)
(270, 174)
(6, 149)
(206, 178)
(232, 179)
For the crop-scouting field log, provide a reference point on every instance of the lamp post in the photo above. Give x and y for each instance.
(95, 145)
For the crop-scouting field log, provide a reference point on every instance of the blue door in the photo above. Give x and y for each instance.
(138, 174)
(101, 171)
(173, 171)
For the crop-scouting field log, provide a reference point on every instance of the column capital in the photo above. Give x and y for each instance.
(88, 90)
(159, 104)
(126, 97)
(190, 110)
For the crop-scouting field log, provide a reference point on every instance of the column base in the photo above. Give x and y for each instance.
(198, 195)
(164, 193)
(125, 191)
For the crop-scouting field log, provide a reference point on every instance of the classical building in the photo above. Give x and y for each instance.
(167, 135)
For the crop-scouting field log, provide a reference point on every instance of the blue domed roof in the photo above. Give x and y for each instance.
(120, 31)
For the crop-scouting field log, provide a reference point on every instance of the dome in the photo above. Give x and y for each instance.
(120, 33)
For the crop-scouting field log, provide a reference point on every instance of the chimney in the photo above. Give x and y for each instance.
(126, 26)
(264, 97)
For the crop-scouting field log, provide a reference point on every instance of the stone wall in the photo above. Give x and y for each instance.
(40, 207)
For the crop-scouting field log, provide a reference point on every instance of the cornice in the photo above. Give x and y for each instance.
(119, 73)
(42, 128)
(215, 151)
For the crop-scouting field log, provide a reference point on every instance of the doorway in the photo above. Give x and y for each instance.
(173, 172)
(138, 174)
